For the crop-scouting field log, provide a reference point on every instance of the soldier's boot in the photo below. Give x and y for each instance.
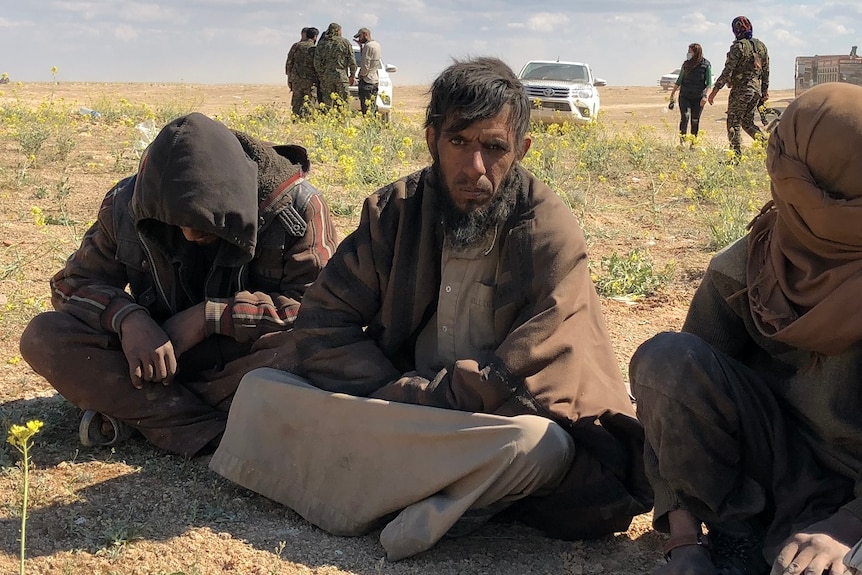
(735, 137)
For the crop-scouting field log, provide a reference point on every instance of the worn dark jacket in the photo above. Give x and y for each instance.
(820, 394)
(275, 237)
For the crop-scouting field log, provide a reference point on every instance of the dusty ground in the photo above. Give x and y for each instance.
(137, 511)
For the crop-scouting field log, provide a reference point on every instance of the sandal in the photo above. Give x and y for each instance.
(91, 431)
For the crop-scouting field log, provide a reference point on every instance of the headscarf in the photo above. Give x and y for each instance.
(742, 28)
(805, 249)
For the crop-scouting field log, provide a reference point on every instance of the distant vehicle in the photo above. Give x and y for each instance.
(813, 70)
(385, 91)
(668, 80)
(561, 91)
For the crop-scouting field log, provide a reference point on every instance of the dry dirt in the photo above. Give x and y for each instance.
(135, 510)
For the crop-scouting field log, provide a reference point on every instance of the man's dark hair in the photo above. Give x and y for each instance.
(311, 33)
(478, 89)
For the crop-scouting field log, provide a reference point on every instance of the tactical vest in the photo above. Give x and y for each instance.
(693, 84)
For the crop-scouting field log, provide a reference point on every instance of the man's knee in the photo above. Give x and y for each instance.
(43, 334)
(663, 361)
(544, 442)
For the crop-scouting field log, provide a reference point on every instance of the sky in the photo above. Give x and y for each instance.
(627, 42)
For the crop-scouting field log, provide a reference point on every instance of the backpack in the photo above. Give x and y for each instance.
(749, 47)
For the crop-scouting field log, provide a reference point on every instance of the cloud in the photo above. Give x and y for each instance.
(125, 33)
(626, 42)
(139, 13)
(264, 37)
(787, 39)
(833, 28)
(547, 22)
(696, 23)
(9, 23)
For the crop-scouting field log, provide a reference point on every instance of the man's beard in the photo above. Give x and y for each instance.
(464, 229)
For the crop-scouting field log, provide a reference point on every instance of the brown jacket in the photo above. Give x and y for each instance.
(270, 250)
(358, 324)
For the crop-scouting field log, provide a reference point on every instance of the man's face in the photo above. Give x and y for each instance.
(474, 161)
(198, 237)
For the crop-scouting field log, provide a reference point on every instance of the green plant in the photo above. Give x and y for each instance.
(31, 137)
(20, 437)
(729, 222)
(632, 275)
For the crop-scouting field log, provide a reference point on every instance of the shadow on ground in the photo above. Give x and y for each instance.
(102, 501)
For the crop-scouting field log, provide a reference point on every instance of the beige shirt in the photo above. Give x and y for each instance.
(370, 62)
(463, 326)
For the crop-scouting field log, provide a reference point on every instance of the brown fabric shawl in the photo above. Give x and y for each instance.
(805, 249)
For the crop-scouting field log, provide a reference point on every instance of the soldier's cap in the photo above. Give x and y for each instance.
(361, 30)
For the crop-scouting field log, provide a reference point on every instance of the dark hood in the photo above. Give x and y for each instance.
(196, 174)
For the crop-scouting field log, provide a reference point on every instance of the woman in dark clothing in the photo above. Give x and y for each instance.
(695, 77)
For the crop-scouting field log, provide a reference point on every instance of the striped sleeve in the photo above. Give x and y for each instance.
(251, 314)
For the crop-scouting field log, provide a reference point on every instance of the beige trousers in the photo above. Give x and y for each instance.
(347, 464)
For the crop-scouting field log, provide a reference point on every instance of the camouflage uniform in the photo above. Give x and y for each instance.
(302, 77)
(291, 56)
(335, 65)
(746, 70)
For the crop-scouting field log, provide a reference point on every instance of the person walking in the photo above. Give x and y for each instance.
(694, 79)
(368, 78)
(335, 66)
(746, 70)
(302, 77)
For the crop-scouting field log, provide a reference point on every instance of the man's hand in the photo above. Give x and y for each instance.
(820, 548)
(409, 388)
(711, 97)
(148, 349)
(352, 80)
(187, 328)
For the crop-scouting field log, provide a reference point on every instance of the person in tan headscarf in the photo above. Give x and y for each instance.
(753, 414)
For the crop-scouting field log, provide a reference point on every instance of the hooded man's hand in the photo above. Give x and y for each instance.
(148, 349)
(187, 328)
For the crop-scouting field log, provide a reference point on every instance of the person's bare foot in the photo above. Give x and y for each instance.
(688, 560)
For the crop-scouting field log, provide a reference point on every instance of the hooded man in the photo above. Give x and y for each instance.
(752, 412)
(191, 274)
(746, 70)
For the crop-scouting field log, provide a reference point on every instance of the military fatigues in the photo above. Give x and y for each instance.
(335, 65)
(746, 70)
(303, 78)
